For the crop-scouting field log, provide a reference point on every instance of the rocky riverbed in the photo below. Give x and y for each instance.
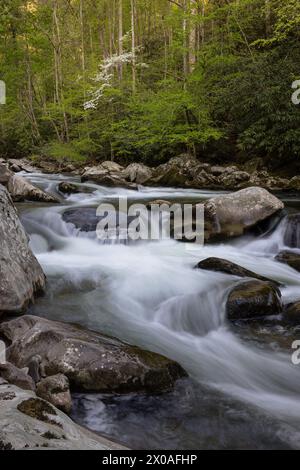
(213, 325)
(183, 171)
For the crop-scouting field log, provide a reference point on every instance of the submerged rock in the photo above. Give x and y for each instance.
(83, 218)
(56, 390)
(69, 188)
(27, 422)
(289, 258)
(91, 361)
(292, 231)
(233, 214)
(86, 219)
(228, 267)
(292, 314)
(21, 276)
(253, 299)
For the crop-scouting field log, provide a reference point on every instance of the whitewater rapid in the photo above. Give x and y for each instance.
(150, 295)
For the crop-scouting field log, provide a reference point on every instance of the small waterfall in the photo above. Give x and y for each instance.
(149, 294)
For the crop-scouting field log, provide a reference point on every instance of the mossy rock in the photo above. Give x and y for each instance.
(289, 258)
(292, 314)
(230, 268)
(91, 361)
(253, 299)
(38, 409)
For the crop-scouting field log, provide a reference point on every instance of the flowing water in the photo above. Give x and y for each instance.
(242, 391)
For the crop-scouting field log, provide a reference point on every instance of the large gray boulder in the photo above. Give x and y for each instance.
(137, 173)
(179, 171)
(21, 276)
(29, 423)
(21, 190)
(91, 361)
(107, 174)
(233, 214)
(17, 165)
(5, 174)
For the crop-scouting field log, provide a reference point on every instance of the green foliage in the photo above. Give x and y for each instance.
(229, 97)
(63, 151)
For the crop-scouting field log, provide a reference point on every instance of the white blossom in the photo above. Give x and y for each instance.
(105, 75)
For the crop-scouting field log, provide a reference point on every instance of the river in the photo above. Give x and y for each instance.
(242, 391)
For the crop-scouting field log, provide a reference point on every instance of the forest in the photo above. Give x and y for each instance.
(146, 80)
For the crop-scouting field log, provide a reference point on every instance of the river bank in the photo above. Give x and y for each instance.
(182, 172)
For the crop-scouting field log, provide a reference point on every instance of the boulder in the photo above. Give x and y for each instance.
(29, 423)
(137, 173)
(233, 180)
(69, 188)
(292, 314)
(227, 267)
(158, 202)
(86, 219)
(5, 174)
(169, 176)
(21, 165)
(233, 214)
(292, 231)
(218, 170)
(91, 361)
(255, 164)
(179, 171)
(253, 299)
(93, 173)
(112, 167)
(107, 174)
(83, 218)
(15, 376)
(21, 190)
(21, 276)
(289, 258)
(187, 171)
(56, 390)
(294, 183)
(112, 180)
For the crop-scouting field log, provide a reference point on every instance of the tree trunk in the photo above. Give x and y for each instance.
(120, 47)
(133, 46)
(185, 42)
(58, 71)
